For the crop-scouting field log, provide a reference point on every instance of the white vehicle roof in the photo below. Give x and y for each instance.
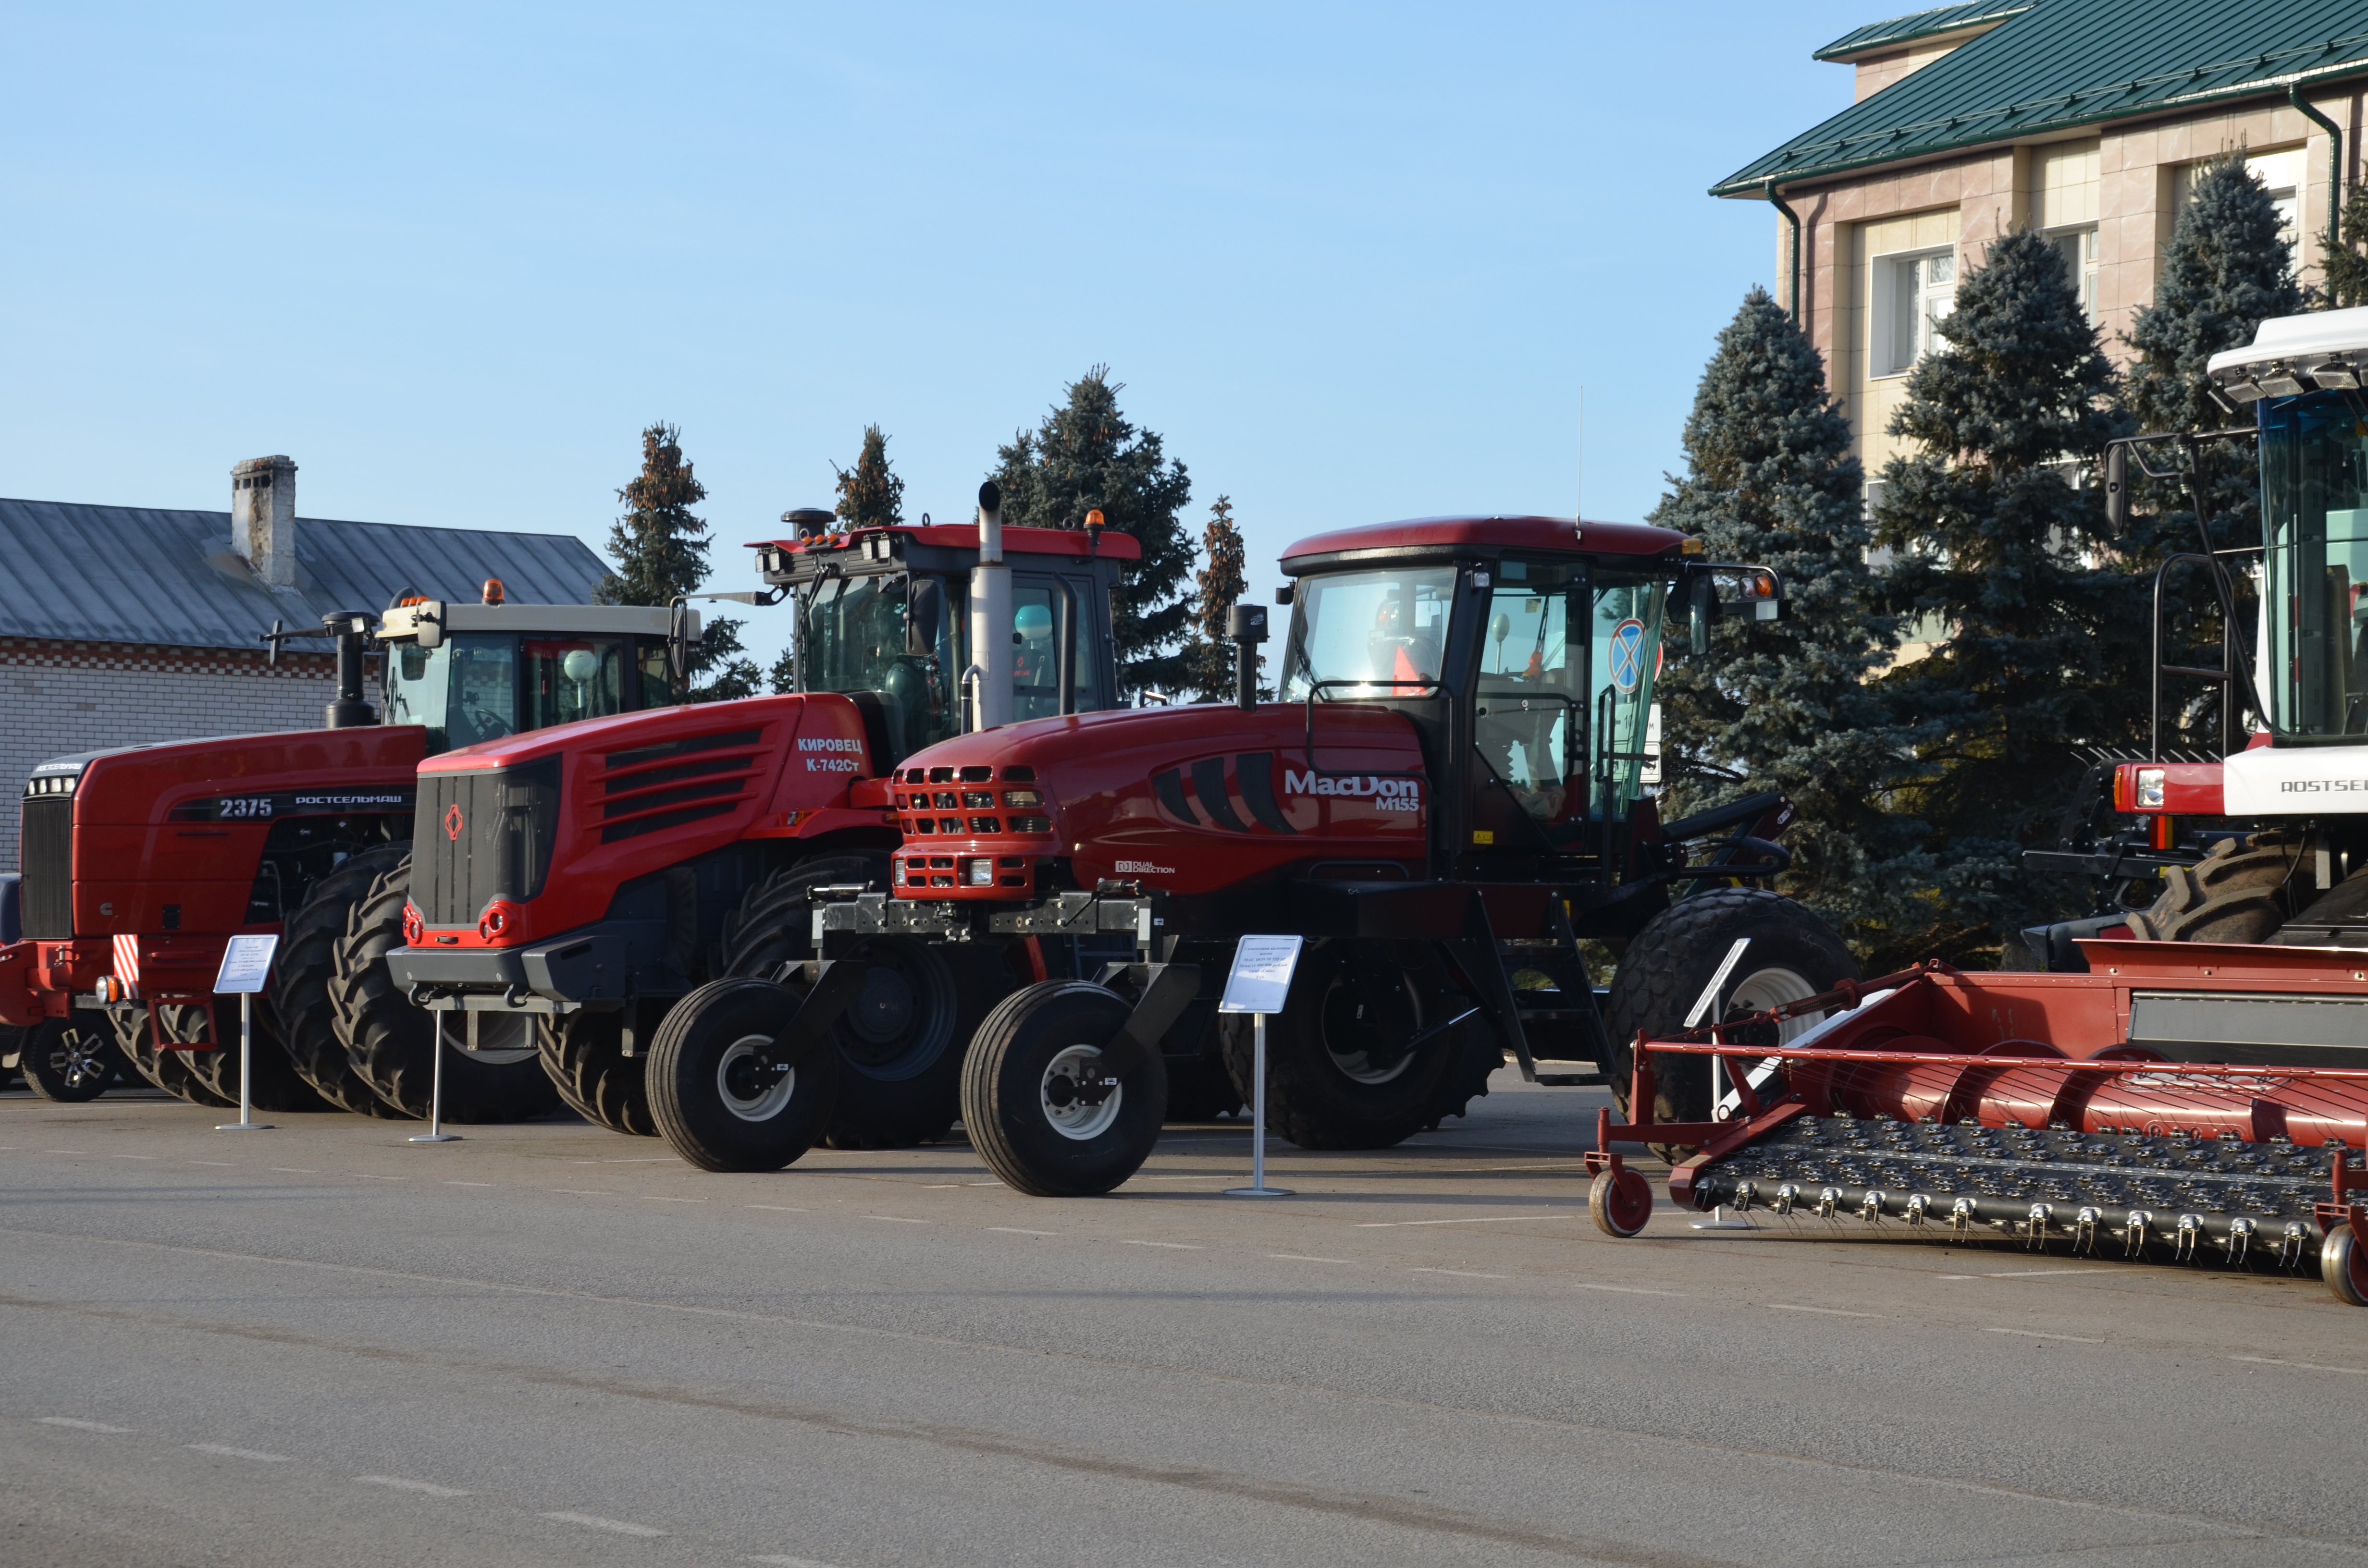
(646, 620)
(2298, 342)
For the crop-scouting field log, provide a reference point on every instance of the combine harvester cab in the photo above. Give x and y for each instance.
(140, 863)
(2227, 988)
(1444, 801)
(584, 879)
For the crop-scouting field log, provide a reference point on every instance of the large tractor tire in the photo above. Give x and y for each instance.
(171, 1071)
(392, 1044)
(585, 1056)
(2235, 894)
(900, 1042)
(277, 1086)
(720, 1100)
(71, 1060)
(1794, 955)
(305, 973)
(1049, 1103)
(1347, 1065)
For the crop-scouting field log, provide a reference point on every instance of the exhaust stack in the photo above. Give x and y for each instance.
(990, 616)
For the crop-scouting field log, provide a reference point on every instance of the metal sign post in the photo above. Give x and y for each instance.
(245, 969)
(436, 1134)
(1707, 1004)
(1259, 984)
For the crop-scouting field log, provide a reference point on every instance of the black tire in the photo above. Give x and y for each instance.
(1671, 961)
(392, 1044)
(709, 1094)
(901, 1041)
(170, 1071)
(1019, 1103)
(584, 1056)
(303, 975)
(277, 1086)
(12, 1041)
(1338, 1073)
(2236, 893)
(69, 1061)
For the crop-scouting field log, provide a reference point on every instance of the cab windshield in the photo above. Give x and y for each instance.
(477, 686)
(892, 638)
(1564, 693)
(2314, 566)
(1378, 633)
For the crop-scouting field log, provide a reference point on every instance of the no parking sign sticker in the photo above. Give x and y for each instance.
(1627, 654)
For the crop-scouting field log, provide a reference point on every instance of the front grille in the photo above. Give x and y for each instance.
(47, 856)
(480, 837)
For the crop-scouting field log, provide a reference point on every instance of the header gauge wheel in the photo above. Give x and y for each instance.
(1056, 1106)
(724, 1095)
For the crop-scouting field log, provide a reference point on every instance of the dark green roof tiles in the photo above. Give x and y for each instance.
(1900, 31)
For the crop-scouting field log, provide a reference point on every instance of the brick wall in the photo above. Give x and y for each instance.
(57, 698)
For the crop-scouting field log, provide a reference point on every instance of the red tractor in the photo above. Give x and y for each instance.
(584, 879)
(140, 863)
(1445, 804)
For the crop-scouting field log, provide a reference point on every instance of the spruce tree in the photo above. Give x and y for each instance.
(1087, 456)
(1786, 704)
(2043, 652)
(870, 496)
(2347, 269)
(1211, 654)
(660, 549)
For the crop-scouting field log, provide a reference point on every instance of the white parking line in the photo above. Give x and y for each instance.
(1463, 1273)
(942, 1187)
(65, 1151)
(2028, 1274)
(2267, 1361)
(895, 1219)
(1307, 1257)
(1624, 1289)
(294, 1170)
(777, 1208)
(2034, 1333)
(1179, 1246)
(1829, 1312)
(228, 1452)
(365, 1175)
(593, 1521)
(1477, 1219)
(642, 1160)
(135, 1156)
(225, 1164)
(653, 1197)
(81, 1426)
(404, 1483)
(468, 1184)
(1016, 1231)
(583, 1191)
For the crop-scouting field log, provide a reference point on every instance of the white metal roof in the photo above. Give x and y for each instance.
(2305, 339)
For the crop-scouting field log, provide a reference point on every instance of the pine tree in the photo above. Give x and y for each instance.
(2044, 651)
(1210, 654)
(2347, 269)
(870, 496)
(661, 548)
(1786, 704)
(1087, 456)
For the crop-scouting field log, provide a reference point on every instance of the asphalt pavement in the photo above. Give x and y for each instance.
(548, 1344)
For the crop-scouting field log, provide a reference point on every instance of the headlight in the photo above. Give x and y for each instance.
(2150, 794)
(1023, 797)
(978, 873)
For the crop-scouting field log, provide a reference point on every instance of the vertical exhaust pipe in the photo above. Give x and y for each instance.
(1246, 624)
(351, 629)
(990, 616)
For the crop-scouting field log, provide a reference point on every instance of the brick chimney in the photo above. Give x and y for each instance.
(263, 517)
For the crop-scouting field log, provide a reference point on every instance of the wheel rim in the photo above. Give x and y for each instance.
(1755, 993)
(881, 1013)
(76, 1060)
(740, 1080)
(1071, 1114)
(1369, 1028)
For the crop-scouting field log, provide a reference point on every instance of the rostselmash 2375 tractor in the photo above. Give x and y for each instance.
(2192, 1083)
(1444, 802)
(141, 862)
(586, 878)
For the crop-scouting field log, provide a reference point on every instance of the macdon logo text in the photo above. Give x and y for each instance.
(1387, 794)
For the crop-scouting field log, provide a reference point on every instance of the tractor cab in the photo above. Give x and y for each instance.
(1524, 651)
(470, 673)
(885, 617)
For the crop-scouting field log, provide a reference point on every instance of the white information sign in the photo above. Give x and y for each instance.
(246, 964)
(1261, 976)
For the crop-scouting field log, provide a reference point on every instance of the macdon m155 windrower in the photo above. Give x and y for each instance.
(2191, 1083)
(1445, 802)
(141, 862)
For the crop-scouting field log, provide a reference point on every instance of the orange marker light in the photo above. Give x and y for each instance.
(1094, 518)
(493, 590)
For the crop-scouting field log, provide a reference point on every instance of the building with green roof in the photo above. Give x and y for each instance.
(2083, 119)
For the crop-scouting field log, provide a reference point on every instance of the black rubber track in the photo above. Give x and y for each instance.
(1671, 960)
(585, 1057)
(1355, 995)
(71, 1061)
(168, 1070)
(891, 1095)
(391, 1044)
(1003, 1092)
(303, 973)
(277, 1086)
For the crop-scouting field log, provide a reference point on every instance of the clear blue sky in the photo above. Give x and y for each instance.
(1353, 263)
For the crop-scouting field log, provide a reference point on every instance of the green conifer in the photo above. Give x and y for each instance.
(1786, 704)
(2347, 269)
(1211, 654)
(2044, 649)
(661, 550)
(871, 494)
(1087, 456)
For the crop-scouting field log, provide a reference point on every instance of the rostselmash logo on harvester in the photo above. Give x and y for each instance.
(1387, 794)
(848, 754)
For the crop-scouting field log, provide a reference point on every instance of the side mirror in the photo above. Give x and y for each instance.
(1701, 609)
(1283, 595)
(2117, 489)
(430, 622)
(925, 612)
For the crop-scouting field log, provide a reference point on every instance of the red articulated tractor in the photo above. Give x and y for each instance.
(2188, 1081)
(583, 880)
(140, 863)
(1444, 802)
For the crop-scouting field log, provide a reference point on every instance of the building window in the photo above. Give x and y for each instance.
(2078, 248)
(1913, 294)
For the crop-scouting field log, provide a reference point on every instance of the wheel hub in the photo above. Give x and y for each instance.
(752, 1083)
(883, 1012)
(1370, 1023)
(1080, 1097)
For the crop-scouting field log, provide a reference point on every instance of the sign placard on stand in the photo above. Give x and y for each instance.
(1259, 986)
(245, 969)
